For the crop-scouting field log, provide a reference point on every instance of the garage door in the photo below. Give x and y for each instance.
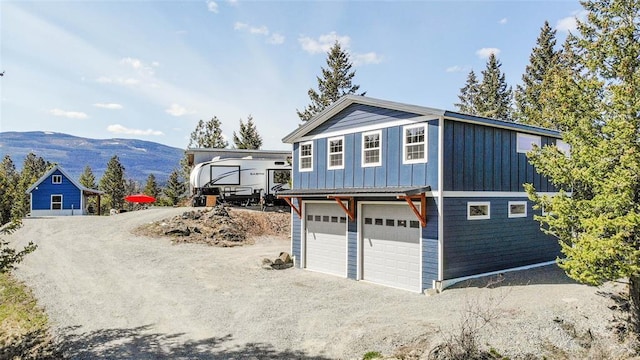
(326, 239)
(391, 246)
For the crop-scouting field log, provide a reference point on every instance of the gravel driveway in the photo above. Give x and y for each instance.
(110, 294)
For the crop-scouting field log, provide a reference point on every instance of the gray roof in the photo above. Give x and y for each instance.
(356, 192)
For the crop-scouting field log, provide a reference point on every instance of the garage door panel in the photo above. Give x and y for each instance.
(391, 249)
(326, 240)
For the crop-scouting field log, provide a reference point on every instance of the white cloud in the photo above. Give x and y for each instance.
(455, 69)
(110, 106)
(276, 39)
(68, 114)
(368, 58)
(240, 26)
(119, 129)
(323, 43)
(139, 65)
(117, 80)
(502, 21)
(178, 110)
(570, 23)
(212, 6)
(486, 52)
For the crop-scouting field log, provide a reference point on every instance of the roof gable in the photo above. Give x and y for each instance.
(64, 173)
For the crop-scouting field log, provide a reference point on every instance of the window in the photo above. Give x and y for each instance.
(334, 219)
(309, 217)
(563, 147)
(402, 223)
(56, 202)
(336, 153)
(378, 221)
(478, 210)
(414, 224)
(525, 142)
(56, 179)
(414, 144)
(368, 221)
(517, 209)
(390, 222)
(371, 148)
(306, 156)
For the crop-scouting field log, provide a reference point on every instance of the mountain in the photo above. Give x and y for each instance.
(139, 158)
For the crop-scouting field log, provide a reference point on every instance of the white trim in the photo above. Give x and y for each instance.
(379, 148)
(329, 153)
(425, 144)
(54, 177)
(529, 140)
(446, 283)
(440, 195)
(478, 217)
(61, 202)
(300, 168)
(372, 127)
(471, 194)
(512, 215)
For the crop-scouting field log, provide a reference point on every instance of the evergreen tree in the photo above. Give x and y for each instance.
(335, 82)
(113, 184)
(597, 104)
(9, 178)
(33, 168)
(151, 187)
(494, 97)
(469, 95)
(176, 189)
(208, 135)
(88, 180)
(248, 138)
(527, 96)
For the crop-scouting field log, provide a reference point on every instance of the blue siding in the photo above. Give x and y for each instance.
(352, 249)
(481, 158)
(479, 246)
(296, 237)
(430, 245)
(357, 115)
(41, 196)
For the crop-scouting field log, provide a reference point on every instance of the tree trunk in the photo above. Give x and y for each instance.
(634, 300)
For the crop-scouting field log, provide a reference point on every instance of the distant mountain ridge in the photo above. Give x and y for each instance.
(139, 158)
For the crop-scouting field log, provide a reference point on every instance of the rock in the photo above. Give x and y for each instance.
(179, 231)
(285, 257)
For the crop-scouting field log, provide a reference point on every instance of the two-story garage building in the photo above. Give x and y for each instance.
(414, 197)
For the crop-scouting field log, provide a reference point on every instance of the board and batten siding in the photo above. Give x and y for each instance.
(296, 238)
(484, 158)
(41, 196)
(391, 173)
(430, 245)
(480, 246)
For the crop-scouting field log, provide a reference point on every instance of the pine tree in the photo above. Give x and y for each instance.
(248, 137)
(208, 135)
(494, 97)
(9, 178)
(151, 187)
(596, 103)
(336, 81)
(527, 96)
(33, 168)
(469, 95)
(113, 184)
(176, 189)
(88, 180)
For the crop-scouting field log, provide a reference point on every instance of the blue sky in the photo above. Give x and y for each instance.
(151, 69)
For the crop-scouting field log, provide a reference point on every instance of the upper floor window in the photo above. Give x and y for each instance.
(563, 147)
(56, 179)
(306, 156)
(525, 142)
(415, 144)
(336, 153)
(371, 148)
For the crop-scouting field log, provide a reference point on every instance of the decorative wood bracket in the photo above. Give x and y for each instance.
(298, 210)
(422, 214)
(350, 211)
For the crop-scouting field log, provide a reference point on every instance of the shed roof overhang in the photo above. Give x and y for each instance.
(409, 194)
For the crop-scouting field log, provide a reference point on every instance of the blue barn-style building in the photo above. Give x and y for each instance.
(57, 194)
(414, 197)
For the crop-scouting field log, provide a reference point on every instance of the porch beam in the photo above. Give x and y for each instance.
(298, 210)
(420, 214)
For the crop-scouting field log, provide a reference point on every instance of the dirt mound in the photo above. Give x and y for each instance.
(219, 226)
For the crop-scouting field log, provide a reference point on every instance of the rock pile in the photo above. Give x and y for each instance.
(282, 262)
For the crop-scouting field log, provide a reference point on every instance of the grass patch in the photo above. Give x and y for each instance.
(23, 325)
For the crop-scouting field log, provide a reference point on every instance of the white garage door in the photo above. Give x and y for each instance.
(391, 246)
(326, 238)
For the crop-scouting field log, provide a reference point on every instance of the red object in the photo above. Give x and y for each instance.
(140, 198)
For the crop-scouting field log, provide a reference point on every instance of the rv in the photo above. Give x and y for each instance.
(242, 181)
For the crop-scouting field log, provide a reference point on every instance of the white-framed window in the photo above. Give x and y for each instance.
(335, 151)
(525, 142)
(305, 157)
(517, 209)
(56, 179)
(563, 147)
(414, 144)
(56, 202)
(478, 210)
(372, 148)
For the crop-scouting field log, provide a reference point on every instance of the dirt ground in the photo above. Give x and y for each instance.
(112, 294)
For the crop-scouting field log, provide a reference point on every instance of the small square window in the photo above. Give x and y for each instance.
(56, 179)
(309, 217)
(378, 221)
(478, 211)
(325, 218)
(343, 220)
(391, 222)
(402, 223)
(334, 219)
(414, 224)
(525, 142)
(318, 218)
(517, 209)
(368, 221)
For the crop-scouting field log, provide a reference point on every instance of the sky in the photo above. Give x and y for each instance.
(151, 70)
